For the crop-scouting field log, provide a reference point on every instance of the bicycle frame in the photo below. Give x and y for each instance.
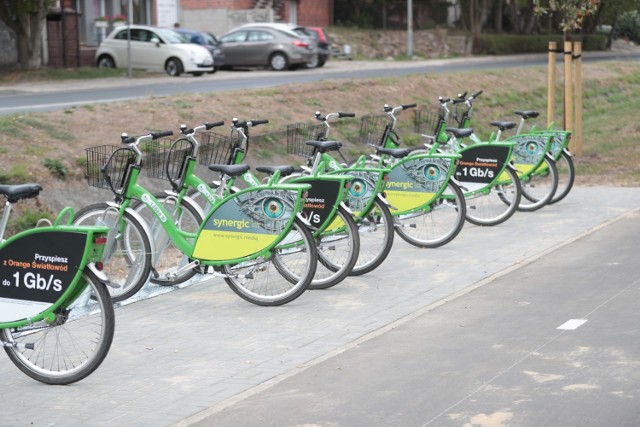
(239, 217)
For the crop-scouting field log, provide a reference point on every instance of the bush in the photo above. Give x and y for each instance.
(628, 26)
(493, 44)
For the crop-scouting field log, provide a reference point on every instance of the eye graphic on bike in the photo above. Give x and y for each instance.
(432, 172)
(358, 188)
(273, 208)
(532, 148)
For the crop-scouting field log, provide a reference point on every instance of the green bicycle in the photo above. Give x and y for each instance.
(331, 223)
(56, 317)
(253, 239)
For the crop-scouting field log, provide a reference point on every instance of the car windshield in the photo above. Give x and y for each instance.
(169, 36)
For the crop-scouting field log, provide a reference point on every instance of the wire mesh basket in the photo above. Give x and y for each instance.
(108, 161)
(216, 148)
(299, 133)
(373, 130)
(166, 158)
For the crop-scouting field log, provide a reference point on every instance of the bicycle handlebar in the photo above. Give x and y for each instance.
(341, 115)
(126, 139)
(248, 123)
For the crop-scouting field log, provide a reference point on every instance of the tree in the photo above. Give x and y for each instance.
(571, 12)
(27, 19)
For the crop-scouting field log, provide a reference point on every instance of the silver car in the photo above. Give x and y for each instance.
(262, 46)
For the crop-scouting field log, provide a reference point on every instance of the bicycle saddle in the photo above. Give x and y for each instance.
(324, 146)
(231, 170)
(503, 125)
(13, 193)
(398, 153)
(527, 114)
(459, 133)
(284, 170)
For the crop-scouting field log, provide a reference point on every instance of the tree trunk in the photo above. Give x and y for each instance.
(27, 19)
(497, 16)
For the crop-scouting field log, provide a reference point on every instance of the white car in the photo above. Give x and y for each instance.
(155, 49)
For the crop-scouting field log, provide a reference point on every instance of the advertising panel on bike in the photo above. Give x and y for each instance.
(36, 270)
(480, 165)
(321, 201)
(415, 182)
(248, 223)
(529, 151)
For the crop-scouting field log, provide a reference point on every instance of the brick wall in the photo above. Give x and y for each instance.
(313, 13)
(216, 4)
(63, 44)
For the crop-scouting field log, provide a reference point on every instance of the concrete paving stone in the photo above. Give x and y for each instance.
(208, 345)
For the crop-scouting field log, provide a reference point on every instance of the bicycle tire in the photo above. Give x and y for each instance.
(438, 226)
(539, 187)
(497, 204)
(281, 278)
(376, 230)
(337, 253)
(72, 347)
(167, 258)
(566, 176)
(129, 264)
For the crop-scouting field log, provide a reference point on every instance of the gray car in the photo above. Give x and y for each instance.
(279, 49)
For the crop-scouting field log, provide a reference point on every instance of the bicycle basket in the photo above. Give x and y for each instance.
(299, 133)
(108, 161)
(373, 130)
(166, 158)
(216, 148)
(425, 122)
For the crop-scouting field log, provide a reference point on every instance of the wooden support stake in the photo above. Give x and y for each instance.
(551, 83)
(577, 134)
(568, 93)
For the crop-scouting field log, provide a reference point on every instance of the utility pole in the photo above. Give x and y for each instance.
(410, 28)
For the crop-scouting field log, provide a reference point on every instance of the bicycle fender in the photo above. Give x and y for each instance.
(384, 200)
(305, 222)
(144, 225)
(549, 156)
(187, 200)
(346, 208)
(567, 152)
(101, 276)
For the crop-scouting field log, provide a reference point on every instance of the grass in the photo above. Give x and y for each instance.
(59, 74)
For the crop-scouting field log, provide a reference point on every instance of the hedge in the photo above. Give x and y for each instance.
(489, 44)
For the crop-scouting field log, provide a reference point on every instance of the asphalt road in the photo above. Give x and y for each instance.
(48, 96)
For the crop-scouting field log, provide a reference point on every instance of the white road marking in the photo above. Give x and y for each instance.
(572, 324)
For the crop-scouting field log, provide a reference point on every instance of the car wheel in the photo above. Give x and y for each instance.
(314, 63)
(278, 61)
(173, 67)
(321, 63)
(105, 61)
(214, 70)
(198, 74)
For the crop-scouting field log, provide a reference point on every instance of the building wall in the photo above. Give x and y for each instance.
(311, 13)
(216, 4)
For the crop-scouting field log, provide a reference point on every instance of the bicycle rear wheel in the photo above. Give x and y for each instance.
(127, 260)
(566, 176)
(168, 260)
(376, 238)
(438, 226)
(539, 187)
(281, 278)
(497, 204)
(70, 348)
(337, 252)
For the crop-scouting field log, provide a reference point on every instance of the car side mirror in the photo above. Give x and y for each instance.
(155, 40)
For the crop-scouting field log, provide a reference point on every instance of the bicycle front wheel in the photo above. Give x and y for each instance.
(337, 251)
(169, 263)
(127, 260)
(566, 176)
(438, 226)
(539, 187)
(497, 204)
(280, 278)
(376, 238)
(73, 345)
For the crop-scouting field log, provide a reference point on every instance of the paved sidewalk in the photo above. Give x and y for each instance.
(202, 348)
